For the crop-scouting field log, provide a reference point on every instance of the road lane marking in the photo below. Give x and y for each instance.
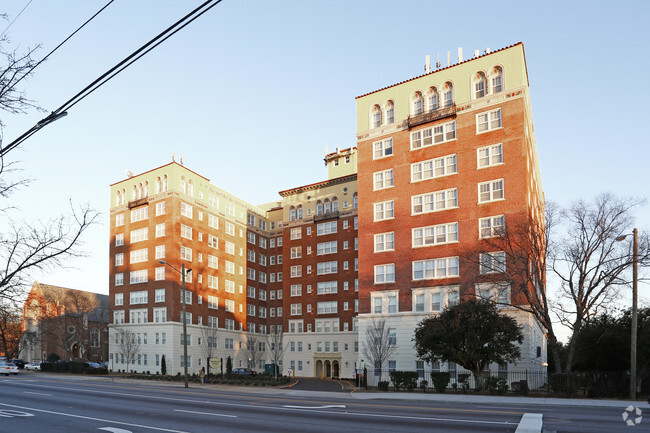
(530, 423)
(114, 430)
(93, 418)
(315, 407)
(205, 413)
(13, 413)
(37, 393)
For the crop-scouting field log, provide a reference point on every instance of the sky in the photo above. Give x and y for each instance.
(254, 92)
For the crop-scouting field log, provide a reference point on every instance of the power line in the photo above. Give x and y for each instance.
(114, 71)
(14, 20)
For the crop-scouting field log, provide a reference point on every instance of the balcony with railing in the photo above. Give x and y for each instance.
(139, 202)
(326, 216)
(432, 115)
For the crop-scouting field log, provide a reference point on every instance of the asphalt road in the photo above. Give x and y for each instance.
(49, 403)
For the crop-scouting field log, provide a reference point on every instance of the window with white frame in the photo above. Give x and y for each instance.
(296, 290)
(213, 221)
(119, 259)
(213, 262)
(433, 168)
(434, 201)
(328, 307)
(139, 214)
(417, 104)
(383, 179)
(494, 262)
(434, 299)
(230, 248)
(159, 295)
(136, 277)
(392, 303)
(383, 148)
(119, 239)
(296, 271)
(490, 191)
(160, 314)
(490, 155)
(160, 230)
(435, 268)
(384, 210)
(119, 220)
(186, 210)
(495, 292)
(119, 299)
(186, 232)
(230, 267)
(186, 253)
(296, 233)
(326, 228)
(229, 305)
(435, 235)
(326, 287)
(327, 248)
(497, 79)
(229, 286)
(139, 297)
(488, 121)
(160, 251)
(296, 309)
(160, 273)
(480, 85)
(139, 256)
(436, 134)
(323, 268)
(392, 337)
(230, 228)
(139, 235)
(390, 112)
(385, 273)
(119, 279)
(213, 282)
(492, 226)
(296, 252)
(384, 242)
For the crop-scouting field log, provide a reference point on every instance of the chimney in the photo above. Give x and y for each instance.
(448, 58)
(476, 53)
(460, 54)
(427, 64)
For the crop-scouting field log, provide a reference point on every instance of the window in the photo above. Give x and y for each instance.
(160, 295)
(392, 304)
(385, 273)
(139, 297)
(119, 299)
(119, 239)
(434, 201)
(392, 336)
(139, 256)
(136, 277)
(490, 155)
(491, 226)
(326, 248)
(390, 112)
(160, 315)
(433, 168)
(139, 235)
(160, 230)
(186, 232)
(119, 220)
(417, 104)
(213, 282)
(329, 307)
(383, 179)
(376, 116)
(497, 79)
(250, 237)
(488, 121)
(160, 273)
(213, 241)
(213, 262)
(327, 268)
(296, 309)
(119, 259)
(230, 229)
(384, 210)
(296, 233)
(480, 85)
(186, 253)
(213, 221)
(229, 305)
(490, 191)
(160, 252)
(435, 268)
(436, 304)
(493, 262)
(418, 300)
(119, 279)
(433, 135)
(435, 235)
(326, 228)
(296, 290)
(296, 252)
(326, 287)
(250, 310)
(296, 271)
(229, 286)
(384, 242)
(448, 94)
(186, 210)
(383, 148)
(139, 214)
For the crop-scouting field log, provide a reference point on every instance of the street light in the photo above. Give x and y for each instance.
(182, 272)
(635, 259)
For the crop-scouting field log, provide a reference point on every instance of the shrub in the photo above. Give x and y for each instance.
(423, 385)
(440, 380)
(163, 366)
(383, 385)
(404, 379)
(463, 380)
(495, 385)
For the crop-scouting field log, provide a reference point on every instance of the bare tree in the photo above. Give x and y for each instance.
(252, 350)
(276, 348)
(10, 331)
(378, 346)
(127, 345)
(518, 270)
(210, 341)
(591, 264)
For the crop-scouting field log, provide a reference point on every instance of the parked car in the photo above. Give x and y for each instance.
(94, 364)
(244, 371)
(18, 363)
(33, 366)
(7, 368)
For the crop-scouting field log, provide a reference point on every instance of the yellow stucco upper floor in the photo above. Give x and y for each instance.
(189, 185)
(509, 62)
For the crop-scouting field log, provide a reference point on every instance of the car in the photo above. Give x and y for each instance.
(244, 372)
(94, 364)
(35, 366)
(7, 368)
(18, 363)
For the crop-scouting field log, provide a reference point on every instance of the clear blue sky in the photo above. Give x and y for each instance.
(253, 92)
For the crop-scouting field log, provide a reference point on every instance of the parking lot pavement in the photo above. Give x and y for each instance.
(326, 385)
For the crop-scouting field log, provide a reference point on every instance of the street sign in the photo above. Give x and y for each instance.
(215, 364)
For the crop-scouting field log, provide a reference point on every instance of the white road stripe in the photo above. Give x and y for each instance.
(38, 393)
(205, 413)
(315, 407)
(93, 419)
(530, 423)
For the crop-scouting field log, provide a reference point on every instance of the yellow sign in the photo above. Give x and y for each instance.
(215, 364)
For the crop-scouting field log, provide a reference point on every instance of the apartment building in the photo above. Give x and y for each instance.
(446, 159)
(284, 268)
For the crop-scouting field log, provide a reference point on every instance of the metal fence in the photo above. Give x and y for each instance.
(610, 384)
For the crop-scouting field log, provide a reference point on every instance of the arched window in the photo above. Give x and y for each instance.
(190, 188)
(134, 194)
(417, 104)
(164, 187)
(327, 206)
(123, 196)
(390, 112)
(140, 191)
(432, 99)
(292, 213)
(146, 189)
(183, 185)
(335, 204)
(118, 198)
(480, 85)
(355, 201)
(376, 116)
(319, 208)
(448, 94)
(158, 185)
(497, 79)
(299, 212)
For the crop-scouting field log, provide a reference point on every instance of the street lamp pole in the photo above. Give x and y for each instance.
(183, 316)
(634, 325)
